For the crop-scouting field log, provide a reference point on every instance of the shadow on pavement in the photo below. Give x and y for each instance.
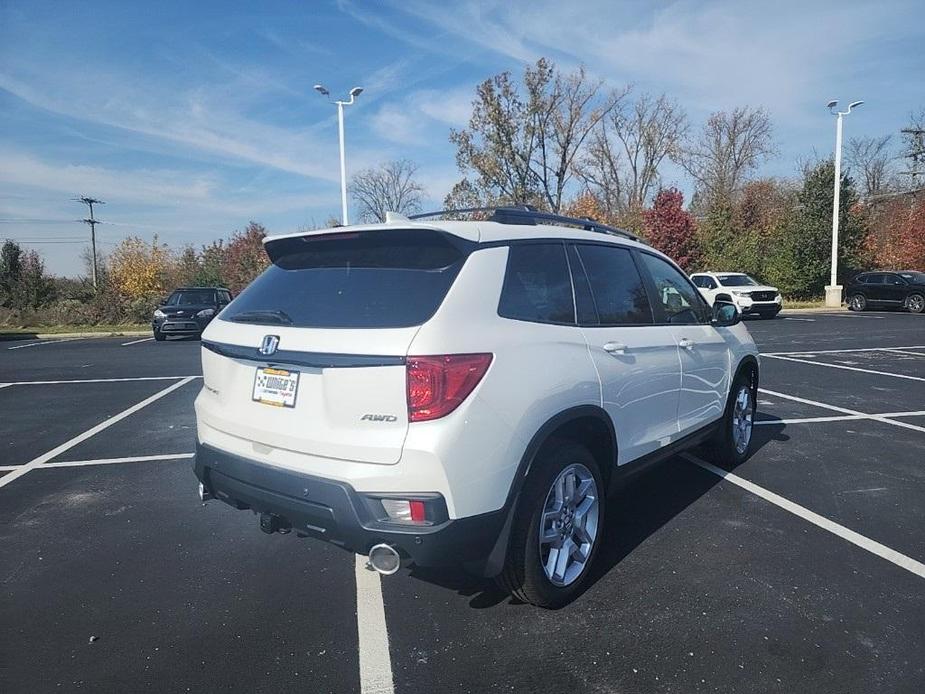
(647, 502)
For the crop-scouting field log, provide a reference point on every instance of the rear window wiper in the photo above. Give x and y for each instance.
(267, 316)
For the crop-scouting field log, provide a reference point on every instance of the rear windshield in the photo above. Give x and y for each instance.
(191, 297)
(373, 279)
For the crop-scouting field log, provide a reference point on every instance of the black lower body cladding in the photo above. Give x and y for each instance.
(334, 512)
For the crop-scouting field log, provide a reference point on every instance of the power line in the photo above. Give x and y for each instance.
(90, 202)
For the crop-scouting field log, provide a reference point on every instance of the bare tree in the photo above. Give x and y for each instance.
(624, 155)
(391, 187)
(726, 150)
(523, 149)
(870, 159)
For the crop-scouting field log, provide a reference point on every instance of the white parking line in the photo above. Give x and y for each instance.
(95, 380)
(375, 660)
(45, 342)
(109, 461)
(891, 555)
(839, 351)
(840, 418)
(844, 410)
(67, 445)
(809, 320)
(901, 351)
(135, 342)
(842, 366)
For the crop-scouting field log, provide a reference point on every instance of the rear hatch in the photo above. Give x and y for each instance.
(310, 357)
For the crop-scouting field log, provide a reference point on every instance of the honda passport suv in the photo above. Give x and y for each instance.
(465, 393)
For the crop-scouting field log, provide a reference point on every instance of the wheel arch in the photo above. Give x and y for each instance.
(589, 425)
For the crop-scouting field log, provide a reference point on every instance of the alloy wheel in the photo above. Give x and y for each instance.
(569, 525)
(742, 419)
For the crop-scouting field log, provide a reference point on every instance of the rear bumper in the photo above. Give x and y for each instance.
(333, 511)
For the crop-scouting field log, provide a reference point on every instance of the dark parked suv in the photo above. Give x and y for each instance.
(887, 289)
(188, 311)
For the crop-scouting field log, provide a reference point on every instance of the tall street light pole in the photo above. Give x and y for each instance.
(354, 93)
(834, 290)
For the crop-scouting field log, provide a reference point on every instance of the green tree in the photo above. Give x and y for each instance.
(801, 260)
(10, 271)
(210, 265)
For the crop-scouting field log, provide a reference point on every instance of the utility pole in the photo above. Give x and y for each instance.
(92, 221)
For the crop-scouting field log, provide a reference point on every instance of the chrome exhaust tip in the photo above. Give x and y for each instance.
(385, 559)
(204, 494)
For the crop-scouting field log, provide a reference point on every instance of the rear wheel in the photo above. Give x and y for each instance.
(557, 529)
(732, 443)
(916, 303)
(857, 302)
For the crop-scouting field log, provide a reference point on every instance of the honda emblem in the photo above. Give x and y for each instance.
(268, 345)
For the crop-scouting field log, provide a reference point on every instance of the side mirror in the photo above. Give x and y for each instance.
(725, 314)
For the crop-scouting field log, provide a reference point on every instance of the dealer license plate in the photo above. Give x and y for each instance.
(277, 387)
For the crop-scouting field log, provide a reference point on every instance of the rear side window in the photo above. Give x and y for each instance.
(619, 295)
(537, 286)
(374, 279)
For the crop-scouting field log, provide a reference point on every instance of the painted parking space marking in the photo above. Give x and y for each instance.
(45, 342)
(843, 410)
(95, 380)
(375, 659)
(843, 366)
(67, 445)
(865, 543)
(109, 461)
(135, 342)
(839, 351)
(839, 418)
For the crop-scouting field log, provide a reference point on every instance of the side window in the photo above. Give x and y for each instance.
(876, 278)
(616, 287)
(679, 301)
(894, 279)
(537, 286)
(699, 281)
(224, 296)
(710, 283)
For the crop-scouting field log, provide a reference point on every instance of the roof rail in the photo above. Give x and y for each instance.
(527, 214)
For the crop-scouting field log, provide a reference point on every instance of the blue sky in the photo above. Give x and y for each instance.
(192, 118)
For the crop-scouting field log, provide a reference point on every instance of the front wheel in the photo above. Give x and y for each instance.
(732, 443)
(557, 529)
(915, 303)
(857, 302)
(159, 336)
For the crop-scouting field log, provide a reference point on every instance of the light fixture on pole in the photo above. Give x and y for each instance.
(354, 93)
(833, 290)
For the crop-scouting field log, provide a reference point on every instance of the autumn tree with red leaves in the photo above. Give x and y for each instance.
(244, 257)
(668, 227)
(897, 240)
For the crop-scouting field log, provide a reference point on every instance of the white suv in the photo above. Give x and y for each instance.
(749, 296)
(464, 393)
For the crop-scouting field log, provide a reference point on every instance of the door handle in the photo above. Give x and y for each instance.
(686, 343)
(615, 348)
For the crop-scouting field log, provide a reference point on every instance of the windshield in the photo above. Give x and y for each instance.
(191, 297)
(913, 276)
(736, 281)
(380, 279)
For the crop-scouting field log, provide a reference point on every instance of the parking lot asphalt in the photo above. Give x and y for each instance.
(799, 570)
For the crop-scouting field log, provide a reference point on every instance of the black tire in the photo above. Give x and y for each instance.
(915, 303)
(857, 302)
(523, 575)
(159, 336)
(724, 446)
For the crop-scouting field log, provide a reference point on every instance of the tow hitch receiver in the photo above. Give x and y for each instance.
(271, 523)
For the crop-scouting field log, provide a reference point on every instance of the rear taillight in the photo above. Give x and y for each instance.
(438, 384)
